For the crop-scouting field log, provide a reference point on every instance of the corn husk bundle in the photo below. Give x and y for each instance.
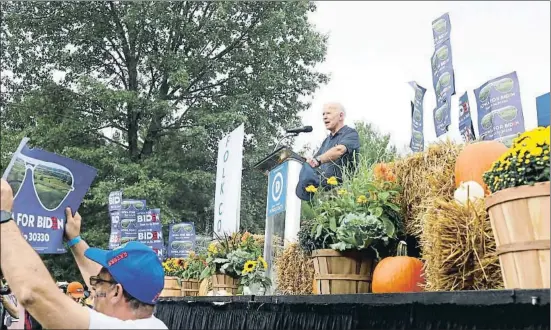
(425, 176)
(295, 271)
(458, 247)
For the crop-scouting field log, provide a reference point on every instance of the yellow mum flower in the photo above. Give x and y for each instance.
(212, 248)
(332, 181)
(249, 266)
(537, 151)
(263, 262)
(362, 199)
(311, 189)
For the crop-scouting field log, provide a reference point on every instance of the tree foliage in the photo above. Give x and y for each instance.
(143, 91)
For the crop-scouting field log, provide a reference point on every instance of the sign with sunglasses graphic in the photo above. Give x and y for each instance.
(150, 230)
(128, 218)
(44, 184)
(181, 239)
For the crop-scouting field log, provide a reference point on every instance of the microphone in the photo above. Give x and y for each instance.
(303, 129)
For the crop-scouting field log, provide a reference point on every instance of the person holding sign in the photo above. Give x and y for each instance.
(126, 282)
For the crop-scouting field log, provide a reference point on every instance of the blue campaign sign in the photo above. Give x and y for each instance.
(542, 106)
(277, 187)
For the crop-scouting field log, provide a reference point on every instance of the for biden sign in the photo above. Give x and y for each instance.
(277, 189)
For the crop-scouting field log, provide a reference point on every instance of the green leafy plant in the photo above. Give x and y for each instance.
(194, 265)
(358, 214)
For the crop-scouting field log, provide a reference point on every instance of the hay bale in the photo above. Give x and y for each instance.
(295, 271)
(423, 177)
(459, 247)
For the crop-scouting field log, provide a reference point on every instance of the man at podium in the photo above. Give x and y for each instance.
(339, 149)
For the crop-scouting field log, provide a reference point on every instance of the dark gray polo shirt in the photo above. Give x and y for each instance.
(346, 136)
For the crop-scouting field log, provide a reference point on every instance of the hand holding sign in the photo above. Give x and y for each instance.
(6, 197)
(72, 228)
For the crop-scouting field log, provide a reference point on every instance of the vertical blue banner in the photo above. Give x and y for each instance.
(499, 108)
(277, 189)
(181, 239)
(128, 217)
(417, 142)
(150, 230)
(465, 122)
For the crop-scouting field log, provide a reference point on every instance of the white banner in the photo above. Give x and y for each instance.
(227, 200)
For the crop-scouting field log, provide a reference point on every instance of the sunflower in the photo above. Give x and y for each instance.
(332, 181)
(249, 266)
(311, 189)
(263, 262)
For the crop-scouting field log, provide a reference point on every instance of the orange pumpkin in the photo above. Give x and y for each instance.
(475, 159)
(398, 274)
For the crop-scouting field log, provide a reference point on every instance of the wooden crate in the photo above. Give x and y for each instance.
(221, 282)
(520, 220)
(190, 288)
(172, 288)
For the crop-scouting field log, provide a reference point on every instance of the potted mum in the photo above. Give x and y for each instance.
(236, 261)
(352, 226)
(173, 268)
(194, 265)
(519, 210)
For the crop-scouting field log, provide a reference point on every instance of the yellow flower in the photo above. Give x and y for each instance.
(332, 181)
(311, 189)
(249, 266)
(212, 248)
(341, 192)
(361, 199)
(263, 262)
(537, 151)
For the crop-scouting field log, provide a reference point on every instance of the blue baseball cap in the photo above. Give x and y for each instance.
(135, 266)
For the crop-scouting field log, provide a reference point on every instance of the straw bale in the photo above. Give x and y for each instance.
(295, 271)
(425, 176)
(458, 247)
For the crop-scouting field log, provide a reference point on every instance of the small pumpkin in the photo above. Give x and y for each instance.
(475, 159)
(398, 274)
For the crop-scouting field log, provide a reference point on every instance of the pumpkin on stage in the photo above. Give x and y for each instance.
(398, 274)
(475, 159)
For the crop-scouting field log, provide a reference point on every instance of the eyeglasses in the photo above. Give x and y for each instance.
(138, 205)
(95, 280)
(52, 182)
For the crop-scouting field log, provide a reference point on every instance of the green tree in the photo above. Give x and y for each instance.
(170, 78)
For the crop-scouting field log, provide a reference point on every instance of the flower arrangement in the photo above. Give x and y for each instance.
(359, 214)
(193, 266)
(173, 266)
(525, 163)
(238, 256)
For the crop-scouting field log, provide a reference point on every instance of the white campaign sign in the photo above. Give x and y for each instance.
(227, 198)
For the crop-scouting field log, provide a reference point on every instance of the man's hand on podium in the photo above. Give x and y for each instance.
(312, 162)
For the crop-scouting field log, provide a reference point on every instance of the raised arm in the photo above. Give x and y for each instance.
(29, 279)
(72, 230)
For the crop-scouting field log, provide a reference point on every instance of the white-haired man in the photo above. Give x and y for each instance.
(340, 148)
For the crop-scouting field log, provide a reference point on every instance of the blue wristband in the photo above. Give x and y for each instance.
(74, 241)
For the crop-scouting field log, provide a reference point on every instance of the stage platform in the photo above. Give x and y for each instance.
(462, 310)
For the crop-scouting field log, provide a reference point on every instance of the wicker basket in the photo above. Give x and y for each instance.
(190, 288)
(342, 272)
(172, 288)
(222, 282)
(520, 220)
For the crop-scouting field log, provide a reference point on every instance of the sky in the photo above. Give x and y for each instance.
(376, 48)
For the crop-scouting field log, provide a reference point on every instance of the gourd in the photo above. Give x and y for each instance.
(470, 190)
(475, 159)
(398, 274)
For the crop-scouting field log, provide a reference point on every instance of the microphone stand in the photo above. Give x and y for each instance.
(283, 138)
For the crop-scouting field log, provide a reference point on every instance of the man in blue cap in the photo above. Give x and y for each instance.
(126, 282)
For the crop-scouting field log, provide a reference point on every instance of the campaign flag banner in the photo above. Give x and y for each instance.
(115, 201)
(181, 239)
(128, 216)
(227, 197)
(150, 230)
(442, 118)
(116, 234)
(499, 108)
(44, 185)
(443, 75)
(417, 141)
(441, 29)
(465, 122)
